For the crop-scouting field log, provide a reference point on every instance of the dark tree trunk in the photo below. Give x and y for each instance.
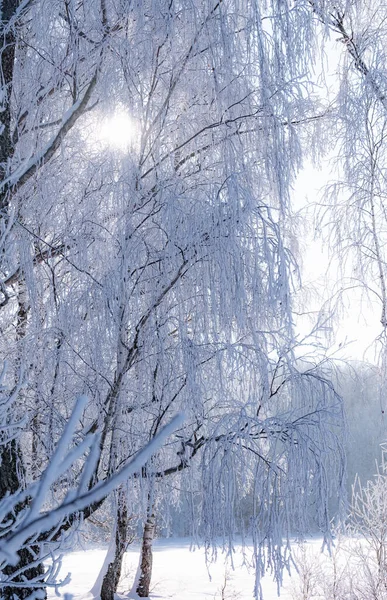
(146, 559)
(113, 573)
(11, 468)
(11, 464)
(7, 59)
(32, 571)
(11, 480)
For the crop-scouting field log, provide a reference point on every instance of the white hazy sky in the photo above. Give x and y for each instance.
(354, 331)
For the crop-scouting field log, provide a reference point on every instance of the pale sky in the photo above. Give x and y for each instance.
(358, 323)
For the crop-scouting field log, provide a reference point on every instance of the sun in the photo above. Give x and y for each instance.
(119, 132)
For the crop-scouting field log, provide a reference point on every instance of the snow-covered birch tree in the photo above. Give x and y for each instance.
(159, 276)
(358, 132)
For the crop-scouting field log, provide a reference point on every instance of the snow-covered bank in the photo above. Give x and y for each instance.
(178, 574)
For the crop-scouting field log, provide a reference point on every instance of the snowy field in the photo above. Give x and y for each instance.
(178, 574)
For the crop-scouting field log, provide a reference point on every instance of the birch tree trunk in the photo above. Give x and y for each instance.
(146, 558)
(113, 573)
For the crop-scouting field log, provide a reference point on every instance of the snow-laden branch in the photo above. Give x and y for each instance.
(34, 523)
(28, 168)
(335, 21)
(12, 20)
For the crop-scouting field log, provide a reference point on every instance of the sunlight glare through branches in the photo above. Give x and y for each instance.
(118, 131)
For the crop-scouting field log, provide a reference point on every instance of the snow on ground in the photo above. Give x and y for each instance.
(178, 574)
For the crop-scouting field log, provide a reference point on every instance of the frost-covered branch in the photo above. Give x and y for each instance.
(32, 522)
(27, 169)
(336, 21)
